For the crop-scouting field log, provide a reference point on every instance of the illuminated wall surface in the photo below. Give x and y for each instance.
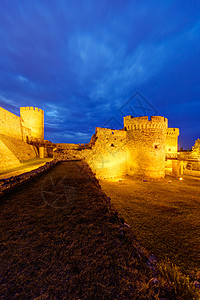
(146, 140)
(172, 140)
(10, 124)
(108, 156)
(137, 149)
(14, 132)
(33, 118)
(30, 123)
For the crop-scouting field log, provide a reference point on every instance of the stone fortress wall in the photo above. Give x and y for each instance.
(107, 156)
(29, 125)
(33, 118)
(137, 149)
(146, 142)
(15, 132)
(10, 124)
(172, 140)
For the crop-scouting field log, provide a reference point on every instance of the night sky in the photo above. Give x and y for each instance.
(89, 63)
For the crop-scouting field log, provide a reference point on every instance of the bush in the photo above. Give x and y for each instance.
(196, 148)
(184, 288)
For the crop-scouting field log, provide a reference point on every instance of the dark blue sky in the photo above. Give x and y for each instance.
(81, 61)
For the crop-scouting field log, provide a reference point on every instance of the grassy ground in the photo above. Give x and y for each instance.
(61, 239)
(165, 216)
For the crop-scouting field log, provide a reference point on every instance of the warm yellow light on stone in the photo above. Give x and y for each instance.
(15, 132)
(33, 118)
(145, 143)
(137, 149)
(110, 165)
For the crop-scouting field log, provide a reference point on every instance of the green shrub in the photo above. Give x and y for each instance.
(183, 287)
(196, 147)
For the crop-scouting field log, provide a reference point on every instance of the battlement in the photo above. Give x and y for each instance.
(33, 118)
(100, 131)
(173, 132)
(31, 108)
(139, 123)
(139, 148)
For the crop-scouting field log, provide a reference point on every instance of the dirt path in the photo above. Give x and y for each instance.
(60, 240)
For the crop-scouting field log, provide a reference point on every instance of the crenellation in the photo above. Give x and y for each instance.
(139, 148)
(29, 125)
(132, 123)
(146, 141)
(172, 140)
(32, 108)
(173, 131)
(33, 118)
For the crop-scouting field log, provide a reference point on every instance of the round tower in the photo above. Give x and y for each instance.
(33, 118)
(146, 141)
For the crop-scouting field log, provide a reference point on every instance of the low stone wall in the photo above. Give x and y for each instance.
(184, 155)
(182, 167)
(192, 165)
(8, 184)
(67, 146)
(191, 173)
(66, 154)
(107, 156)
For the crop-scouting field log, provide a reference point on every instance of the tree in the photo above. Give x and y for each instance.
(196, 148)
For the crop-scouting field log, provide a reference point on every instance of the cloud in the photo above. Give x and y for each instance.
(80, 61)
(22, 78)
(7, 100)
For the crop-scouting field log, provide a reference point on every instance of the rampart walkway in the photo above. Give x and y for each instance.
(26, 166)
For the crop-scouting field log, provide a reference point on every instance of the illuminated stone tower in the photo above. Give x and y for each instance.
(33, 118)
(146, 140)
(172, 140)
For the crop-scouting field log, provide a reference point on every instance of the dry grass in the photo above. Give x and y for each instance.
(165, 216)
(60, 239)
(184, 288)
